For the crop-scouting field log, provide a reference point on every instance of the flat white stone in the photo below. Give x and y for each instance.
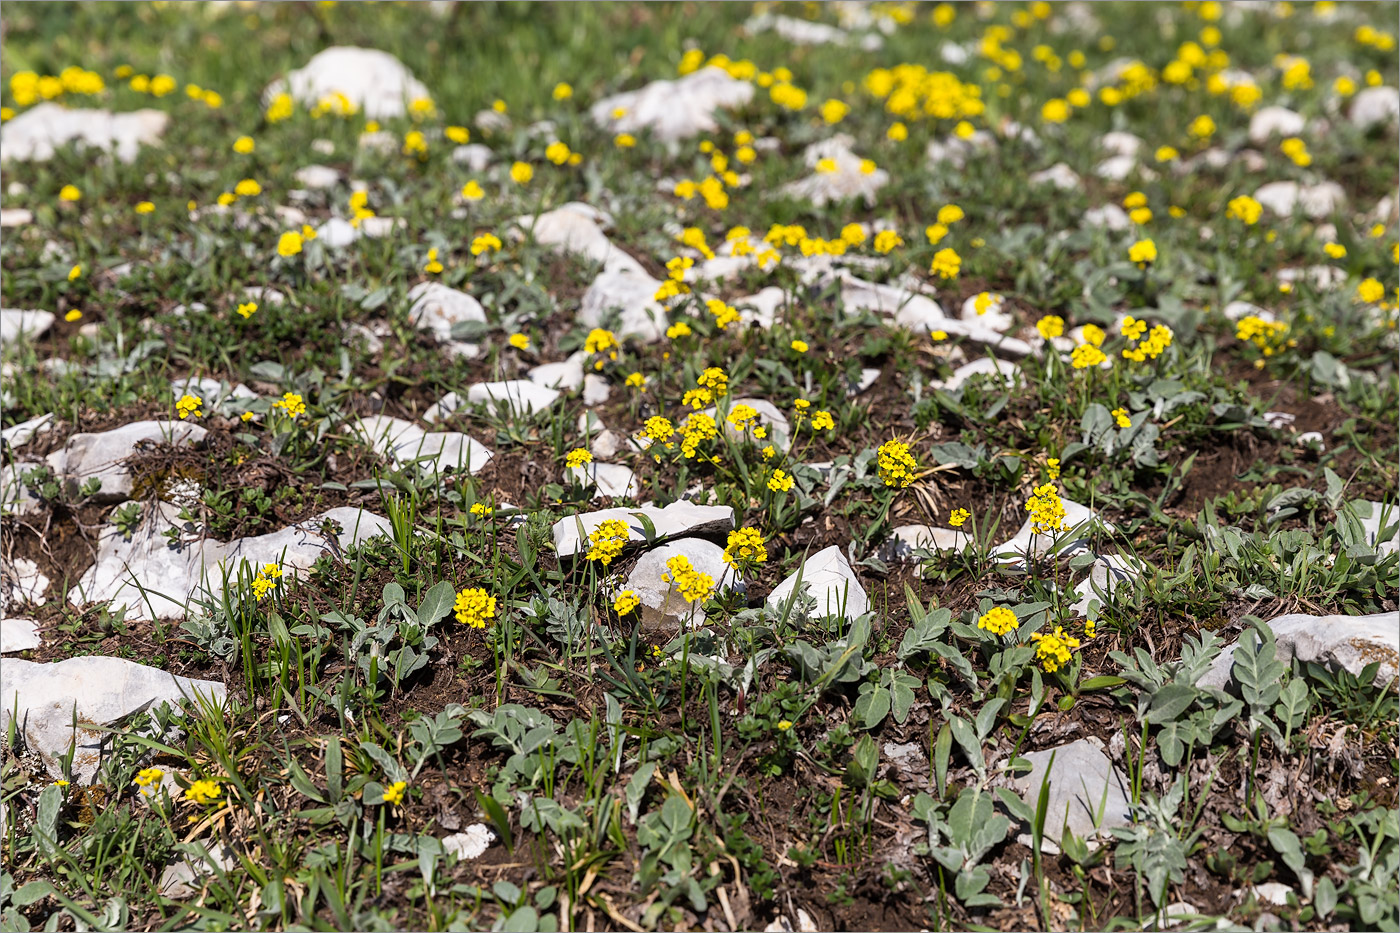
(920, 313)
(996, 317)
(578, 228)
(1316, 201)
(213, 392)
(521, 395)
(806, 32)
(1119, 143)
(17, 436)
(317, 176)
(642, 316)
(1274, 121)
(23, 584)
(1059, 176)
(769, 415)
(906, 539)
(847, 182)
(18, 635)
(679, 519)
(1087, 793)
(12, 217)
(1319, 277)
(1105, 575)
(1336, 641)
(981, 366)
(662, 603)
(15, 497)
(1079, 519)
(16, 323)
(1370, 106)
(611, 479)
(436, 307)
(377, 83)
(956, 151)
(298, 546)
(829, 580)
(596, 389)
(336, 233)
(1236, 310)
(469, 844)
(474, 156)
(44, 699)
(1116, 168)
(565, 375)
(403, 442)
(40, 131)
(1109, 217)
(99, 456)
(604, 445)
(674, 110)
(762, 307)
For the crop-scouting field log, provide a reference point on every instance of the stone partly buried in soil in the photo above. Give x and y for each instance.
(403, 442)
(100, 456)
(828, 578)
(679, 519)
(1087, 793)
(154, 578)
(99, 691)
(662, 603)
(1349, 642)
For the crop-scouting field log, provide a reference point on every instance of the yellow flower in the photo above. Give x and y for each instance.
(1167, 154)
(625, 602)
(69, 193)
(1245, 209)
(938, 335)
(1370, 290)
(998, 620)
(780, 481)
(1202, 127)
(1140, 215)
(607, 541)
(1052, 467)
(203, 791)
(1086, 355)
(393, 794)
(244, 145)
(1143, 252)
(826, 166)
(627, 141)
(745, 546)
(146, 778)
(289, 244)
(946, 263)
(472, 191)
(521, 173)
(1053, 650)
(519, 341)
(1335, 250)
(480, 509)
(578, 457)
(292, 404)
(457, 134)
(75, 272)
(950, 214)
(822, 421)
(834, 111)
(694, 586)
(958, 517)
(784, 725)
(896, 464)
(474, 607)
(557, 152)
(1094, 335)
(1132, 328)
(280, 109)
(678, 330)
(1120, 417)
(73, 316)
(188, 406)
(498, 105)
(247, 309)
(887, 240)
(486, 242)
(897, 132)
(1052, 325)
(1055, 110)
(800, 346)
(1047, 510)
(247, 188)
(226, 198)
(563, 91)
(599, 340)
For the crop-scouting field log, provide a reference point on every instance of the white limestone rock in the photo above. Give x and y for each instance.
(996, 316)
(807, 32)
(679, 519)
(30, 324)
(521, 395)
(769, 415)
(578, 228)
(13, 217)
(1336, 641)
(1010, 373)
(317, 176)
(436, 307)
(474, 156)
(642, 316)
(18, 634)
(403, 442)
(1060, 176)
(596, 389)
(674, 110)
(16, 498)
(565, 375)
(469, 844)
(1087, 793)
(18, 436)
(848, 181)
(298, 547)
(45, 698)
(1316, 201)
(829, 579)
(921, 313)
(956, 151)
(1106, 574)
(1369, 107)
(906, 539)
(1274, 121)
(378, 84)
(40, 131)
(1109, 217)
(662, 604)
(99, 456)
(21, 583)
(1378, 520)
(1080, 521)
(215, 394)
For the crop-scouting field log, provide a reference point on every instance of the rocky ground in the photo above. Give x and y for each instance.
(789, 466)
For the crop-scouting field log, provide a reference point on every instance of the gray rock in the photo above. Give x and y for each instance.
(829, 579)
(604, 445)
(906, 539)
(435, 308)
(612, 479)
(100, 456)
(673, 110)
(1087, 793)
(217, 395)
(17, 436)
(474, 156)
(1336, 641)
(633, 296)
(180, 879)
(39, 132)
(45, 698)
(15, 497)
(21, 583)
(662, 604)
(18, 634)
(521, 395)
(375, 82)
(16, 323)
(679, 519)
(402, 442)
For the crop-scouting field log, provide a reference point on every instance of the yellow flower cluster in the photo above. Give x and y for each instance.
(1047, 511)
(292, 404)
(1245, 209)
(695, 430)
(998, 620)
(607, 541)
(393, 794)
(711, 385)
(742, 417)
(912, 92)
(694, 585)
(203, 791)
(946, 263)
(959, 517)
(1268, 336)
(188, 407)
(780, 481)
(745, 547)
(28, 88)
(474, 606)
(266, 581)
(147, 779)
(1143, 252)
(578, 457)
(1086, 356)
(896, 464)
(625, 602)
(1053, 650)
(1158, 339)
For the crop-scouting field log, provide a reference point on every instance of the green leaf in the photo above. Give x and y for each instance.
(437, 603)
(497, 815)
(1169, 702)
(1100, 682)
